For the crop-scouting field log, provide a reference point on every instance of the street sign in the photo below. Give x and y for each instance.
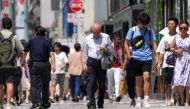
(75, 18)
(76, 5)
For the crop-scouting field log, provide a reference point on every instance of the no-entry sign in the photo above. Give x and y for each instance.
(76, 5)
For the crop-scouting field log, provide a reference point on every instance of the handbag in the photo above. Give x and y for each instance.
(171, 59)
(138, 41)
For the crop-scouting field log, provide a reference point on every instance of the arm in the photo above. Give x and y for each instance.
(52, 56)
(128, 55)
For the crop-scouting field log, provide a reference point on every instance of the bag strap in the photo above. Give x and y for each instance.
(1, 36)
(133, 31)
(10, 37)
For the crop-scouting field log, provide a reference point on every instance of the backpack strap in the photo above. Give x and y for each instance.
(133, 31)
(1, 36)
(10, 37)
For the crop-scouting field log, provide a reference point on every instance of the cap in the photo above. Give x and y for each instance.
(6, 22)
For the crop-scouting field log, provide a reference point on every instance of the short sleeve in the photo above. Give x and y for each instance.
(129, 34)
(161, 46)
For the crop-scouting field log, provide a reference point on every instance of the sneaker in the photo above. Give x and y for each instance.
(26, 101)
(8, 107)
(51, 100)
(169, 103)
(139, 104)
(118, 99)
(146, 103)
(133, 103)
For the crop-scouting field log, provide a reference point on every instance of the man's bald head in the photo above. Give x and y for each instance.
(96, 29)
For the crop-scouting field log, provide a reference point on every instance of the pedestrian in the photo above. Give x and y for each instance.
(114, 73)
(95, 44)
(58, 76)
(164, 51)
(40, 69)
(181, 80)
(142, 39)
(76, 66)
(10, 47)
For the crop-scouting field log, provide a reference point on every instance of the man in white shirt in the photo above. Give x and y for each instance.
(164, 51)
(94, 46)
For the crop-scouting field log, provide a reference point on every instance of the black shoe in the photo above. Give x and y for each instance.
(75, 99)
(133, 103)
(100, 107)
(91, 105)
(36, 106)
(64, 98)
(118, 99)
(46, 105)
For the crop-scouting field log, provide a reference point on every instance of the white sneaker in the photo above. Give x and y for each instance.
(146, 103)
(138, 104)
(169, 103)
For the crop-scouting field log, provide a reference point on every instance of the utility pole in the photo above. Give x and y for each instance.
(26, 30)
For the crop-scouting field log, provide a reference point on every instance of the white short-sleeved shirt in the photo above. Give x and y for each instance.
(163, 45)
(60, 61)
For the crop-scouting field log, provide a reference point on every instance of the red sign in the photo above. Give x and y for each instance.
(76, 5)
(5, 3)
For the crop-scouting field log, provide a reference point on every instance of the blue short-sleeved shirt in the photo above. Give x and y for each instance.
(144, 53)
(39, 49)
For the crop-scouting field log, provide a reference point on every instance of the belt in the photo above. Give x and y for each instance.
(94, 59)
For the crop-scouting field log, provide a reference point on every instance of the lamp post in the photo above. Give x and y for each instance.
(26, 30)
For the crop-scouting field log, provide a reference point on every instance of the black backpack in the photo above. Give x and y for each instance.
(6, 49)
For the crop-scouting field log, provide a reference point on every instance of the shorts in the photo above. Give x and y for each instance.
(58, 78)
(7, 75)
(137, 67)
(168, 74)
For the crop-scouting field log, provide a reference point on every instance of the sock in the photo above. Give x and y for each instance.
(146, 97)
(138, 98)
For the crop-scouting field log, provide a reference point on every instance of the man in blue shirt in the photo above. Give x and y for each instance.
(140, 60)
(40, 50)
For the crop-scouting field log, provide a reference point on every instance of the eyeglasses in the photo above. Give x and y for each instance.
(185, 28)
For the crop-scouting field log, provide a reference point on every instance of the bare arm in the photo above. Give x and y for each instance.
(127, 49)
(52, 56)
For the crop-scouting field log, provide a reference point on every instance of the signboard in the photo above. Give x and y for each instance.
(74, 18)
(76, 5)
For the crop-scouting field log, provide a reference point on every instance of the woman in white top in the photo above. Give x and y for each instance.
(58, 76)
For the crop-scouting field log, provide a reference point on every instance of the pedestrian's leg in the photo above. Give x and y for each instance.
(110, 78)
(138, 88)
(101, 77)
(10, 91)
(66, 86)
(52, 90)
(1, 94)
(117, 78)
(73, 78)
(180, 90)
(146, 78)
(187, 90)
(91, 85)
(77, 87)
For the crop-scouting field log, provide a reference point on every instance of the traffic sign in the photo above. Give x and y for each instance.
(73, 17)
(76, 5)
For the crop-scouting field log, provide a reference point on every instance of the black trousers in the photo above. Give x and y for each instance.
(95, 74)
(39, 79)
(17, 79)
(131, 81)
